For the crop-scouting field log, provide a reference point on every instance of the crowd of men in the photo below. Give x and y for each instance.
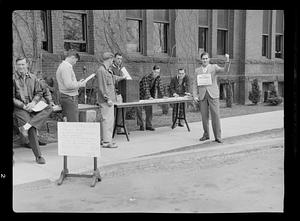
(28, 90)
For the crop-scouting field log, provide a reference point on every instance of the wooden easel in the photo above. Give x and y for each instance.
(65, 173)
(177, 117)
(96, 177)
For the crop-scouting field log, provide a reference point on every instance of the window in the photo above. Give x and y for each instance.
(266, 34)
(203, 31)
(222, 32)
(133, 30)
(75, 30)
(265, 41)
(160, 33)
(46, 30)
(279, 34)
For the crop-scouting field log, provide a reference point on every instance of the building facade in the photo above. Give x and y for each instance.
(169, 38)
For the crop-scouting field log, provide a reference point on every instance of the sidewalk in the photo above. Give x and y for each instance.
(141, 143)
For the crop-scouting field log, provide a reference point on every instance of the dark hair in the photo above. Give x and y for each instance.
(21, 58)
(118, 54)
(74, 53)
(204, 53)
(155, 67)
(181, 69)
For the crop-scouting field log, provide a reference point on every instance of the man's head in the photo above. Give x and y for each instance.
(118, 58)
(181, 73)
(205, 58)
(156, 71)
(22, 65)
(72, 56)
(107, 58)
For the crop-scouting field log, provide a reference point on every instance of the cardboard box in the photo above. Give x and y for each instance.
(130, 90)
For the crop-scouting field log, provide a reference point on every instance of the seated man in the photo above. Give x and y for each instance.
(27, 93)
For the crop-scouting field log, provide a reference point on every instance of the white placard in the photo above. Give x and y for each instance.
(78, 139)
(125, 73)
(204, 79)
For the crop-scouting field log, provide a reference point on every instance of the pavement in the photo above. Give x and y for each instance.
(142, 143)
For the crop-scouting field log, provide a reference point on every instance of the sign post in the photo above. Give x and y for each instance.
(79, 139)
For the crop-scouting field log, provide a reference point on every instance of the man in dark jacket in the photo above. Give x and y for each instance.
(150, 85)
(179, 86)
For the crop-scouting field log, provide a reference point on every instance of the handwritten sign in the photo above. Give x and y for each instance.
(204, 79)
(78, 139)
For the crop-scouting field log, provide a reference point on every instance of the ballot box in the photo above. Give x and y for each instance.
(130, 90)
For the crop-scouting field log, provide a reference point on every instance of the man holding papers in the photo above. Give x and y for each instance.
(27, 92)
(206, 91)
(68, 86)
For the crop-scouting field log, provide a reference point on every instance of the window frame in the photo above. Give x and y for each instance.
(47, 27)
(265, 47)
(281, 35)
(84, 14)
(206, 38)
(226, 43)
(166, 28)
(140, 23)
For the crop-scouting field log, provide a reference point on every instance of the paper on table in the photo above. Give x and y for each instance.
(41, 105)
(126, 74)
(89, 77)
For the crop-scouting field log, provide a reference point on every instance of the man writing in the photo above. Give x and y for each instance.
(27, 92)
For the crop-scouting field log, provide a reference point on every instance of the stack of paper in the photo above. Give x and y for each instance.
(41, 105)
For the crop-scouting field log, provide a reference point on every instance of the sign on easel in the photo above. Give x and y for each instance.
(78, 139)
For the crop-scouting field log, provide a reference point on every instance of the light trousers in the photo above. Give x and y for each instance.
(106, 122)
(210, 104)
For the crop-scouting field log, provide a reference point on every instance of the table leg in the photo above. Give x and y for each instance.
(184, 117)
(123, 124)
(64, 172)
(115, 126)
(176, 115)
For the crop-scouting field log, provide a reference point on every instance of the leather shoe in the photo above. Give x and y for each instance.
(109, 145)
(218, 140)
(180, 124)
(150, 128)
(142, 128)
(204, 138)
(42, 143)
(40, 160)
(23, 132)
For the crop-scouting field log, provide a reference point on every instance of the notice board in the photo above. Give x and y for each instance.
(78, 139)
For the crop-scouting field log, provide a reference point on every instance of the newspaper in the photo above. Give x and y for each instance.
(41, 105)
(126, 74)
(89, 77)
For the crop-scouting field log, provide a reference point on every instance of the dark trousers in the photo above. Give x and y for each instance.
(69, 105)
(180, 114)
(139, 114)
(36, 120)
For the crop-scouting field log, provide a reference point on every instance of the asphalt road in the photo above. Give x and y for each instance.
(246, 176)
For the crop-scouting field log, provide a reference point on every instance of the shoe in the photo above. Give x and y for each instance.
(180, 124)
(204, 138)
(218, 140)
(110, 145)
(40, 160)
(150, 128)
(42, 143)
(23, 132)
(142, 128)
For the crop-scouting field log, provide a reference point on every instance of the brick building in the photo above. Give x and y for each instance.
(169, 38)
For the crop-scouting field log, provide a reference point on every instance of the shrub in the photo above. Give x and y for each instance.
(254, 95)
(273, 98)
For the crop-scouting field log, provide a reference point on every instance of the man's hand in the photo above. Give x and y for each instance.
(175, 95)
(29, 106)
(151, 98)
(227, 57)
(110, 103)
(82, 83)
(187, 94)
(52, 104)
(196, 99)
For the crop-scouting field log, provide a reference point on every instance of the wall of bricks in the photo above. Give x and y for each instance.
(106, 32)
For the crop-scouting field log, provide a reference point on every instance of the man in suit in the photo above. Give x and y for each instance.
(179, 86)
(206, 91)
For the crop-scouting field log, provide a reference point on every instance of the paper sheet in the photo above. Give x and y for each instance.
(204, 79)
(89, 77)
(78, 139)
(125, 73)
(41, 105)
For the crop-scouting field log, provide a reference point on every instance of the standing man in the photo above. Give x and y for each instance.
(150, 85)
(206, 91)
(68, 86)
(179, 86)
(116, 69)
(107, 97)
(27, 92)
